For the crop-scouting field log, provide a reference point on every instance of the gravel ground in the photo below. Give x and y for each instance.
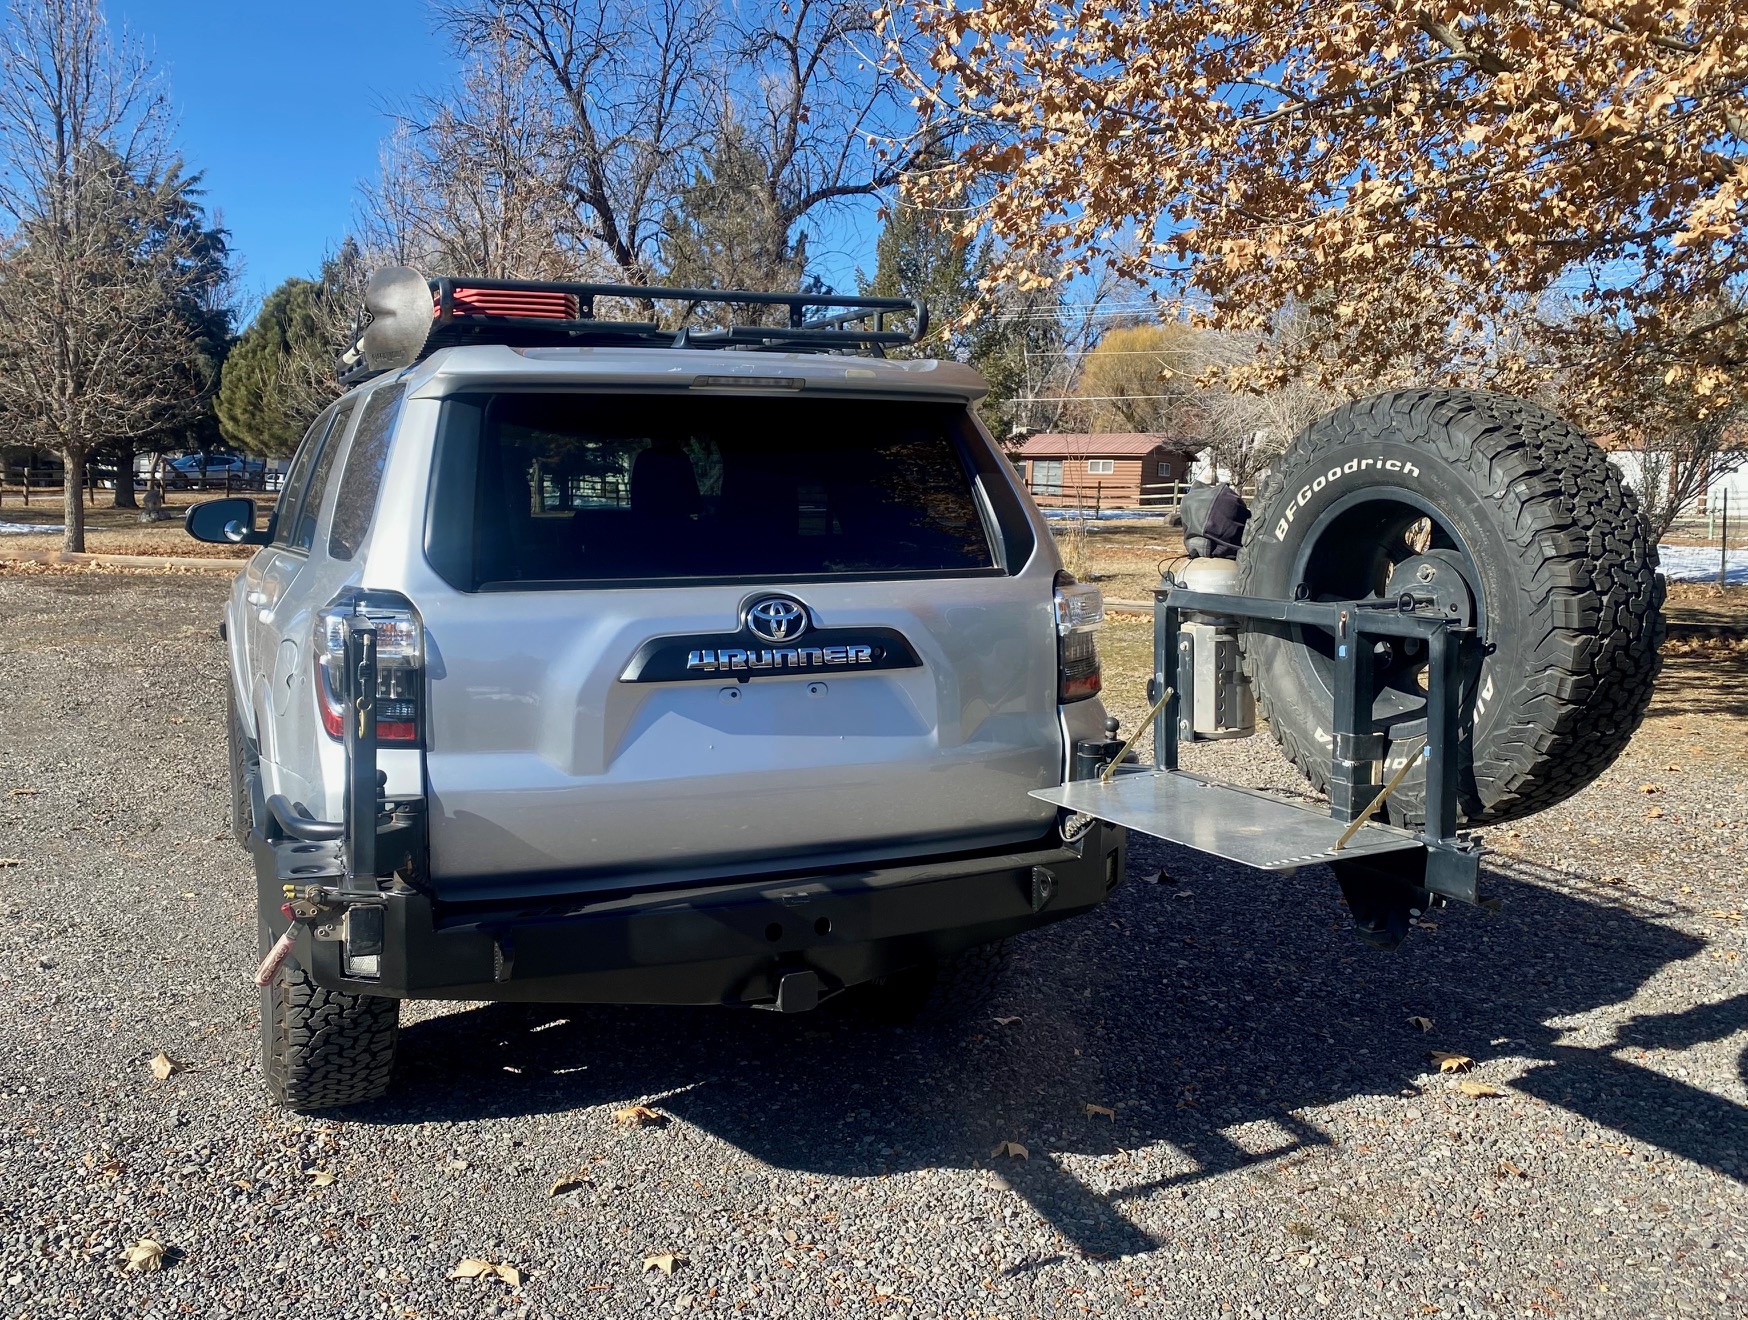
(1279, 1142)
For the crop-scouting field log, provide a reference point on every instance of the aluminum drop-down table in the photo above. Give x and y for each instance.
(1239, 824)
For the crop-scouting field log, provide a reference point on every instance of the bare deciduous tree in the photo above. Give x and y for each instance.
(647, 137)
(1142, 378)
(476, 182)
(632, 84)
(96, 248)
(308, 374)
(1250, 408)
(1684, 463)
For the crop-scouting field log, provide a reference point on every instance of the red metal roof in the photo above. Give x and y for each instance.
(1110, 444)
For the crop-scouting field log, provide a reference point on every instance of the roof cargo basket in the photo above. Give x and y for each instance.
(407, 318)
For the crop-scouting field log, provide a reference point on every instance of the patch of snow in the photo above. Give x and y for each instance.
(29, 527)
(1699, 563)
(1104, 515)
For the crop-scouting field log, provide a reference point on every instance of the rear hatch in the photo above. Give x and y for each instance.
(690, 633)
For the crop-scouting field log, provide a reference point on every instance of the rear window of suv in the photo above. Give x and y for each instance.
(576, 489)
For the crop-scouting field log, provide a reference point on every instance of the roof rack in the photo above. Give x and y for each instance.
(396, 331)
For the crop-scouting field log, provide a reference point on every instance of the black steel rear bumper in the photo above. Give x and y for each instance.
(722, 943)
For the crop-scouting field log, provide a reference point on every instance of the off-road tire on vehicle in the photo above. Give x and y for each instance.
(243, 759)
(322, 1049)
(936, 993)
(1550, 545)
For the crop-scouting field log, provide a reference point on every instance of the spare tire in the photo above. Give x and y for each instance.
(1511, 516)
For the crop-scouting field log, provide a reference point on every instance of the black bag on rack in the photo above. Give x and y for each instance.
(1214, 518)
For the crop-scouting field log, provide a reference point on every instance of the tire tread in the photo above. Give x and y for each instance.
(1589, 568)
(324, 1049)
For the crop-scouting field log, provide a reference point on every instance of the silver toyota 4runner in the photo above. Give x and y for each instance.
(579, 663)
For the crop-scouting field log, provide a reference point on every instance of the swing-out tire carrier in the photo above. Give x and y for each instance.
(1387, 874)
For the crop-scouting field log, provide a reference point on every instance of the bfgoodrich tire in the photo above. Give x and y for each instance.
(322, 1049)
(1517, 521)
(243, 761)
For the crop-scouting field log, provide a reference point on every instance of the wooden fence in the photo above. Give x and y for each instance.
(43, 485)
(1163, 499)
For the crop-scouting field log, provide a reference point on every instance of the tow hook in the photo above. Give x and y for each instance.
(282, 947)
(359, 926)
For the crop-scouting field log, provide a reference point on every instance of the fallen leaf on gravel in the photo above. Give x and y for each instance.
(1725, 916)
(1655, 813)
(23, 792)
(111, 1169)
(1424, 1023)
(569, 1183)
(1649, 788)
(1099, 1111)
(10, 861)
(1672, 766)
(1479, 1090)
(1011, 1149)
(638, 1116)
(1006, 1021)
(1153, 879)
(663, 1261)
(145, 1256)
(163, 1065)
(1507, 1167)
(321, 1178)
(1452, 1062)
(476, 1267)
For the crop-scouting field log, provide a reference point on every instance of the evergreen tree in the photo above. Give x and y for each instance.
(254, 410)
(919, 254)
(282, 371)
(202, 303)
(727, 230)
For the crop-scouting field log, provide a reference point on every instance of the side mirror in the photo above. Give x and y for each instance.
(224, 522)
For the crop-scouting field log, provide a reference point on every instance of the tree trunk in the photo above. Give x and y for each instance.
(73, 501)
(124, 475)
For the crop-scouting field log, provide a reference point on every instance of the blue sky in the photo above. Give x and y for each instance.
(281, 106)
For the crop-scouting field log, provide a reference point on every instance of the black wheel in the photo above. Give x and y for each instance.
(1505, 515)
(321, 1049)
(935, 993)
(244, 760)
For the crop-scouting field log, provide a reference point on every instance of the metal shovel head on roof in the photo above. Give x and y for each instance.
(397, 316)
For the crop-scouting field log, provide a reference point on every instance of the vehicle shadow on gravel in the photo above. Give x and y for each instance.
(1206, 1011)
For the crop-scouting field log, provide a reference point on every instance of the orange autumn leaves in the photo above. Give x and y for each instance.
(1422, 173)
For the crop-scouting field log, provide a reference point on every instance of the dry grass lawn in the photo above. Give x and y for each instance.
(1126, 559)
(112, 531)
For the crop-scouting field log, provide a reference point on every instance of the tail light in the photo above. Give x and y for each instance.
(1079, 612)
(400, 665)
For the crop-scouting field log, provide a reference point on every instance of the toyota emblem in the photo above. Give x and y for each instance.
(777, 619)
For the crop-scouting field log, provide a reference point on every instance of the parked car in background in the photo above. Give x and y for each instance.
(214, 469)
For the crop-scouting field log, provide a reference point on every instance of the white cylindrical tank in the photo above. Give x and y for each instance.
(1221, 704)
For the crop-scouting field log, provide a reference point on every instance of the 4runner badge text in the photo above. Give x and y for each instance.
(748, 654)
(732, 658)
